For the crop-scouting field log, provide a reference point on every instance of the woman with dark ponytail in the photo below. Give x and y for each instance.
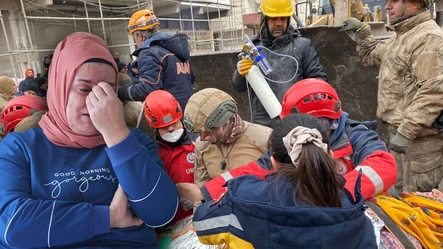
(302, 205)
(300, 155)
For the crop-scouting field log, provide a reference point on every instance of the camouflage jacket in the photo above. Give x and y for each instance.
(410, 89)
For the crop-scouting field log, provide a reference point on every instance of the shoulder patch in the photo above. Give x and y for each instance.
(190, 157)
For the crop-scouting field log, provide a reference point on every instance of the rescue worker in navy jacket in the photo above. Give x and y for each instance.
(280, 42)
(163, 61)
(302, 205)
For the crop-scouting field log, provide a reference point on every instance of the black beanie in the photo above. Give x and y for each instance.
(40, 81)
(31, 85)
(120, 66)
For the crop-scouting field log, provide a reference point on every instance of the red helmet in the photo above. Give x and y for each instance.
(312, 96)
(19, 108)
(162, 109)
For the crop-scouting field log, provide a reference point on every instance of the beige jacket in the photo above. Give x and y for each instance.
(30, 122)
(3, 102)
(132, 110)
(410, 88)
(250, 146)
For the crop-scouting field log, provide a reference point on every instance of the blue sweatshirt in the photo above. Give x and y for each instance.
(56, 196)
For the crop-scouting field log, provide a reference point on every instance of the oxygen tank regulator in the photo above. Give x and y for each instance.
(257, 80)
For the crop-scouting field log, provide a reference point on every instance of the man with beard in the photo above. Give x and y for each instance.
(226, 141)
(29, 77)
(410, 89)
(46, 64)
(291, 56)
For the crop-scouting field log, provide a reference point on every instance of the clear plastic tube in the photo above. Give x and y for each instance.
(282, 55)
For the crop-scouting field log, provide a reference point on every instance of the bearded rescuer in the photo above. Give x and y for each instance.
(410, 89)
(280, 42)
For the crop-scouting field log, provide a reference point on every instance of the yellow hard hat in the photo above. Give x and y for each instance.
(277, 8)
(207, 109)
(142, 20)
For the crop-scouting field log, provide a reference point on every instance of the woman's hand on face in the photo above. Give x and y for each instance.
(106, 113)
(190, 191)
(120, 213)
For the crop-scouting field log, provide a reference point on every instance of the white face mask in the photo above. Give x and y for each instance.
(174, 136)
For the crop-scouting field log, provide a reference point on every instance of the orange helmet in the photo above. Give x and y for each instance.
(312, 96)
(162, 109)
(20, 108)
(142, 20)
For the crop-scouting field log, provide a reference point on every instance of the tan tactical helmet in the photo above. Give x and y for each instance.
(207, 109)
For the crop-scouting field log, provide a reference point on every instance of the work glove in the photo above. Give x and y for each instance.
(399, 143)
(243, 66)
(351, 24)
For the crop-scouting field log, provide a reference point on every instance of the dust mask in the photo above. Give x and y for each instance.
(174, 136)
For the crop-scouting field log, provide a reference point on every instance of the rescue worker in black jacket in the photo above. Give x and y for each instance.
(285, 42)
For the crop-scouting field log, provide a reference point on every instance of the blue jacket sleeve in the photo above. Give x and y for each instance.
(364, 143)
(30, 223)
(150, 78)
(153, 196)
(22, 85)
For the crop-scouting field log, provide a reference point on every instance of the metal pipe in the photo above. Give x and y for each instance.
(209, 20)
(26, 24)
(193, 26)
(180, 16)
(242, 25)
(75, 24)
(103, 21)
(76, 18)
(110, 18)
(121, 45)
(110, 32)
(26, 51)
(87, 16)
(7, 44)
(221, 30)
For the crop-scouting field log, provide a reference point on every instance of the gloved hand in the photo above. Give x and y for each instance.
(399, 143)
(351, 24)
(243, 66)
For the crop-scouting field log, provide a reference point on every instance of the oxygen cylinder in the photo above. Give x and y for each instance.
(263, 92)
